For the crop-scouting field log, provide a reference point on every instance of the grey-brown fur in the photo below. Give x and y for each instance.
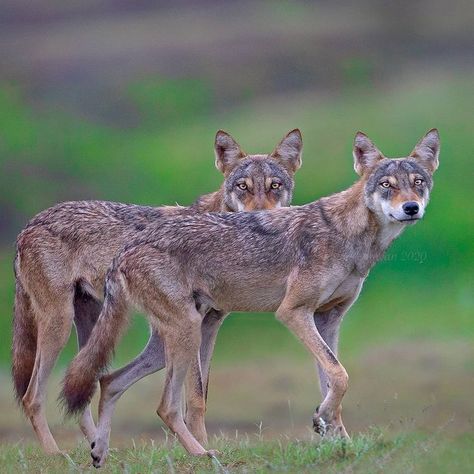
(307, 264)
(64, 252)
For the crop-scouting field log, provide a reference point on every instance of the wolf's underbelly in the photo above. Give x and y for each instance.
(267, 295)
(254, 297)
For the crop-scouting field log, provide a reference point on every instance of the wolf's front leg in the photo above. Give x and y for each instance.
(328, 324)
(196, 402)
(209, 329)
(300, 321)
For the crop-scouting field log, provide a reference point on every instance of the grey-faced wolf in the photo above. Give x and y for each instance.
(64, 252)
(307, 264)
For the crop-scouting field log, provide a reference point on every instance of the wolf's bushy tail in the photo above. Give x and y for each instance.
(80, 381)
(24, 341)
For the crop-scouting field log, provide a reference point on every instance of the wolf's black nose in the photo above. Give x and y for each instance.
(411, 208)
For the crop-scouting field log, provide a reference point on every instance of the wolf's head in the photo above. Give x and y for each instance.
(398, 189)
(255, 182)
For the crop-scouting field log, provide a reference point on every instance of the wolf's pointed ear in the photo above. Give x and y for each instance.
(366, 154)
(227, 151)
(288, 152)
(426, 150)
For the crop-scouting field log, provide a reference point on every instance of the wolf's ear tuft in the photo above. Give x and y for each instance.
(426, 150)
(227, 151)
(366, 154)
(289, 151)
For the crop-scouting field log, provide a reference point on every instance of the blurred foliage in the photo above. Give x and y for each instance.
(171, 102)
(422, 288)
(106, 100)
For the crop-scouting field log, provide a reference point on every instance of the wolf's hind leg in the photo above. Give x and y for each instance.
(86, 312)
(54, 328)
(24, 342)
(182, 337)
(152, 359)
(114, 385)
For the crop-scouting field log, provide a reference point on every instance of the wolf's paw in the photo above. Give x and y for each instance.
(320, 426)
(99, 451)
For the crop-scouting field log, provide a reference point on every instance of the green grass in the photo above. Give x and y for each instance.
(420, 392)
(372, 452)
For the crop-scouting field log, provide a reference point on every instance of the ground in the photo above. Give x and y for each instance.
(402, 415)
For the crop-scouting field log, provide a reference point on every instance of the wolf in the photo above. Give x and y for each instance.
(63, 254)
(307, 264)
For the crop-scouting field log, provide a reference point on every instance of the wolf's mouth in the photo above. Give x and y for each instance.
(410, 219)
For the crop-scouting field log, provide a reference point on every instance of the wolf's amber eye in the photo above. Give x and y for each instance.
(242, 186)
(276, 185)
(418, 182)
(385, 184)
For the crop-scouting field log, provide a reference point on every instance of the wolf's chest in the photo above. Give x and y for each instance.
(344, 290)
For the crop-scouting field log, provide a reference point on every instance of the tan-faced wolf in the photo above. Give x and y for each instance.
(307, 264)
(64, 252)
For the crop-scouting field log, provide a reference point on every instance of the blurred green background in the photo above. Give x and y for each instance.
(121, 100)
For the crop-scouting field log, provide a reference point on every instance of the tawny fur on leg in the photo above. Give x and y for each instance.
(300, 321)
(51, 339)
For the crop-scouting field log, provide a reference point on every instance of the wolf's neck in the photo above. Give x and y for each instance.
(212, 202)
(348, 211)
(353, 219)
